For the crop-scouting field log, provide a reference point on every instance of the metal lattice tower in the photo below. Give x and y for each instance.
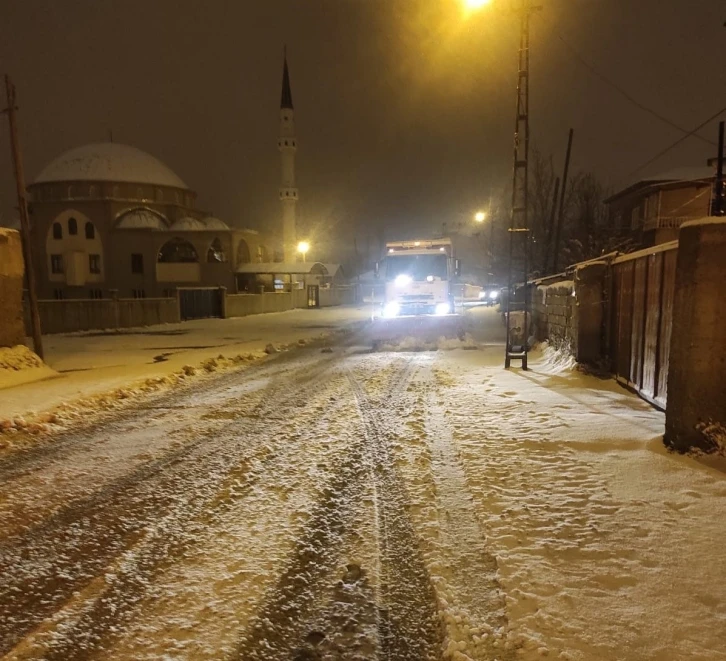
(519, 228)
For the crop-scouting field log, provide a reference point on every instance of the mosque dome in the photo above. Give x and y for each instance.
(212, 223)
(141, 219)
(188, 224)
(109, 161)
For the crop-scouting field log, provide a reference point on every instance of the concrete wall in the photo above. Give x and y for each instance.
(81, 315)
(242, 305)
(696, 410)
(12, 330)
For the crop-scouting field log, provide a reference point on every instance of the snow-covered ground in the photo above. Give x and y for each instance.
(81, 365)
(390, 505)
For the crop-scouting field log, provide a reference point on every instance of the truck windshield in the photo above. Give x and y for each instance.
(419, 267)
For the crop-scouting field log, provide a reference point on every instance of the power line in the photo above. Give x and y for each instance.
(626, 95)
(676, 143)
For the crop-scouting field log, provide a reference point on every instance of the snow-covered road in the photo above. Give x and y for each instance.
(357, 505)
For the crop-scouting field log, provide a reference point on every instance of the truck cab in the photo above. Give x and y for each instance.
(418, 278)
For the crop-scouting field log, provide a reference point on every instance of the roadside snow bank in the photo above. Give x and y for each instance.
(411, 343)
(556, 361)
(19, 365)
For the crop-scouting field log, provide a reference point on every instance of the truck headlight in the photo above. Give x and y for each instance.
(402, 280)
(442, 308)
(391, 309)
(494, 295)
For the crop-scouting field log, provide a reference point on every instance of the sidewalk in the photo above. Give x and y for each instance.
(87, 364)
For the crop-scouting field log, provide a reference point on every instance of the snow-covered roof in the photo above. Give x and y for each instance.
(213, 223)
(188, 224)
(141, 219)
(685, 174)
(283, 267)
(109, 161)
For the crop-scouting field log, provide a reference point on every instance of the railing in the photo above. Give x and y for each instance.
(665, 222)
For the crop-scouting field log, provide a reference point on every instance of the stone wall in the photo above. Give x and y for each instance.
(243, 305)
(12, 330)
(696, 408)
(555, 316)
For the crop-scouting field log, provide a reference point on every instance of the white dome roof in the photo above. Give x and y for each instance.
(109, 161)
(213, 223)
(141, 219)
(188, 224)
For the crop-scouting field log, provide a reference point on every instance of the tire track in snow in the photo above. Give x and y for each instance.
(41, 571)
(311, 613)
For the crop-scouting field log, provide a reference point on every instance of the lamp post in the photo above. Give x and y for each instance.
(303, 248)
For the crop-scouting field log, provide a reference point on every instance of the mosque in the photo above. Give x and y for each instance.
(109, 220)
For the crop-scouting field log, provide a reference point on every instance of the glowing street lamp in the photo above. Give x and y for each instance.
(480, 216)
(303, 248)
(473, 5)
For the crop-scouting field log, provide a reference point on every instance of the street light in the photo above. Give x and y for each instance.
(480, 216)
(303, 248)
(473, 5)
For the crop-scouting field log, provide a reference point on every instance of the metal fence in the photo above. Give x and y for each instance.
(643, 286)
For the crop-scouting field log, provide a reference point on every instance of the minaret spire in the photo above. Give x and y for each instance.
(286, 98)
(287, 144)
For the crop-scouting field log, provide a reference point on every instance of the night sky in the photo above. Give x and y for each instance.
(404, 108)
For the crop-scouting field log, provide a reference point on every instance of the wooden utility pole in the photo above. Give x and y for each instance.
(551, 225)
(24, 220)
(718, 200)
(561, 212)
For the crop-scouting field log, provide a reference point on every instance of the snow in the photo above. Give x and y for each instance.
(109, 161)
(115, 365)
(708, 220)
(368, 505)
(19, 365)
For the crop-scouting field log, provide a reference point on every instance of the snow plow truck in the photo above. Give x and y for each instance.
(418, 300)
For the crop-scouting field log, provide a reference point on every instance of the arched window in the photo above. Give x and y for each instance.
(243, 252)
(90, 230)
(72, 226)
(178, 251)
(263, 255)
(215, 252)
(57, 231)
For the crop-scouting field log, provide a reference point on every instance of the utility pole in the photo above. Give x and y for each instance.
(561, 212)
(24, 220)
(718, 201)
(519, 228)
(551, 226)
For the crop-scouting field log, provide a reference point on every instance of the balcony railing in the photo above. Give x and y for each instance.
(665, 222)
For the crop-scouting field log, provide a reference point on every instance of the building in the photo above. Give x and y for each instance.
(654, 208)
(109, 219)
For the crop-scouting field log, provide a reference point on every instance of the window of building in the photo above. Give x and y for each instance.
(215, 252)
(58, 294)
(169, 293)
(138, 293)
(115, 192)
(159, 195)
(90, 230)
(72, 226)
(92, 191)
(57, 231)
(56, 263)
(94, 263)
(137, 263)
(95, 293)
